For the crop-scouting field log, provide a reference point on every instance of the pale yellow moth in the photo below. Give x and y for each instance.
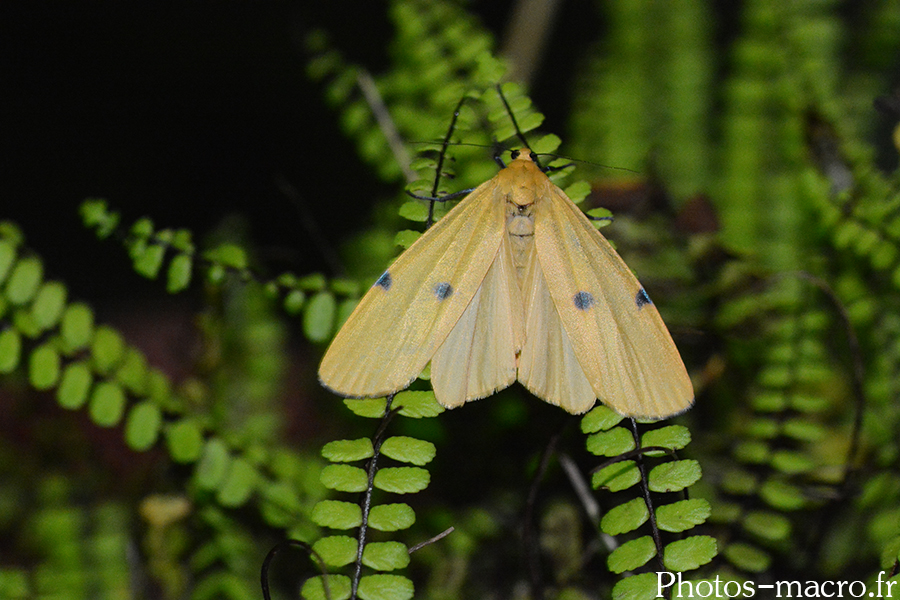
(514, 283)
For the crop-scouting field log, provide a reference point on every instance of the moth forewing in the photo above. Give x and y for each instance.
(403, 319)
(617, 334)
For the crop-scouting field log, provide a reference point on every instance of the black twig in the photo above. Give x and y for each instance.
(264, 572)
(440, 166)
(377, 441)
(648, 501)
(432, 540)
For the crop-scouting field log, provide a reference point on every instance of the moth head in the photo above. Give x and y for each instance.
(524, 154)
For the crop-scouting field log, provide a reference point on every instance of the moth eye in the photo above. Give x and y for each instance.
(442, 291)
(533, 157)
(642, 299)
(514, 154)
(583, 300)
(385, 281)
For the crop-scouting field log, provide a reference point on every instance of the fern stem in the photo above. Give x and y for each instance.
(645, 492)
(438, 171)
(377, 441)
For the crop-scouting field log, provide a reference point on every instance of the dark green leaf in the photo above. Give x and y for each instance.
(77, 327)
(338, 588)
(613, 442)
(280, 503)
(159, 390)
(631, 555)
(24, 281)
(370, 408)
(418, 405)
(344, 478)
(142, 228)
(336, 514)
(228, 256)
(336, 550)
(782, 495)
(674, 437)
(682, 515)
(95, 213)
(408, 450)
(133, 372)
(107, 349)
(803, 430)
(10, 350)
(406, 238)
(293, 301)
(599, 418)
(385, 587)
(637, 587)
(12, 233)
(545, 144)
(15, 584)
(674, 476)
(74, 386)
(747, 558)
(318, 317)
(239, 483)
(179, 273)
(754, 452)
(616, 477)
(49, 304)
(143, 425)
(7, 258)
(312, 283)
(791, 463)
(182, 241)
(348, 450)
(689, 553)
(148, 261)
(578, 191)
(345, 287)
(107, 404)
(344, 310)
(215, 274)
(185, 441)
(385, 556)
(43, 367)
(391, 517)
(625, 517)
(767, 525)
(214, 463)
(23, 321)
(739, 482)
(414, 210)
(402, 480)
(763, 427)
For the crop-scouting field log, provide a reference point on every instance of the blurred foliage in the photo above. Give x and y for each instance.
(745, 167)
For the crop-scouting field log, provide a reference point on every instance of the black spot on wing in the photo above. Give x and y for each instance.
(442, 291)
(583, 300)
(642, 299)
(385, 281)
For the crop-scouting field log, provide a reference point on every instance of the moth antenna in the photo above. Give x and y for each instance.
(440, 164)
(512, 117)
(559, 168)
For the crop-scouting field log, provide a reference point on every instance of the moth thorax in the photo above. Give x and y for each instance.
(520, 228)
(519, 219)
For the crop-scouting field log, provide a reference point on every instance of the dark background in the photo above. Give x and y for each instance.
(189, 111)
